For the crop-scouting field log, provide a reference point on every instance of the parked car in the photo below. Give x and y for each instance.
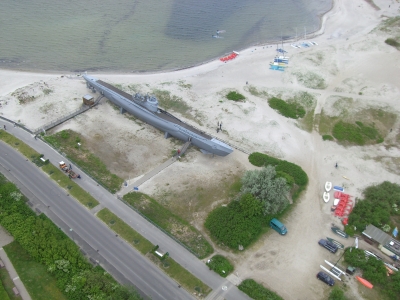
(278, 226)
(325, 278)
(328, 245)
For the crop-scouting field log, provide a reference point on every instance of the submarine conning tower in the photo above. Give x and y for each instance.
(150, 102)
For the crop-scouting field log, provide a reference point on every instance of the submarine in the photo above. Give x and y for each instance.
(146, 108)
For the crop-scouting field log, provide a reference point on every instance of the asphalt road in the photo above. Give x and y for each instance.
(140, 271)
(222, 288)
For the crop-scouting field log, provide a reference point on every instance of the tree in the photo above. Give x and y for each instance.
(267, 188)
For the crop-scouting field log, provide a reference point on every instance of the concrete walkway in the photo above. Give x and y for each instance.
(144, 178)
(14, 276)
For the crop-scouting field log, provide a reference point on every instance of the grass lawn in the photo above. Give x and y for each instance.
(125, 231)
(67, 141)
(171, 223)
(74, 189)
(186, 279)
(6, 292)
(18, 144)
(39, 283)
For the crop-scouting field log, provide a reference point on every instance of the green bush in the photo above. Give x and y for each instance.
(377, 207)
(327, 137)
(235, 96)
(237, 224)
(260, 159)
(256, 291)
(220, 265)
(392, 42)
(337, 294)
(290, 109)
(357, 134)
(289, 179)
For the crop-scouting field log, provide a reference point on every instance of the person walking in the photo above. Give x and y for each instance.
(220, 125)
(5, 128)
(70, 167)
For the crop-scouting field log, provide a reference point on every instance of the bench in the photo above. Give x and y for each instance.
(15, 290)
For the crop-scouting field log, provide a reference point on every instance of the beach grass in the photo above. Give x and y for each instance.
(172, 102)
(39, 283)
(311, 80)
(18, 144)
(186, 279)
(66, 141)
(71, 187)
(235, 96)
(125, 231)
(171, 223)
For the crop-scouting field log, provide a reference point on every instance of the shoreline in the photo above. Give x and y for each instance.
(322, 18)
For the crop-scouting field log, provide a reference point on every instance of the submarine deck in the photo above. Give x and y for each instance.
(163, 114)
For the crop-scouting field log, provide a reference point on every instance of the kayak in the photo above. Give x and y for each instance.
(365, 282)
(339, 232)
(338, 244)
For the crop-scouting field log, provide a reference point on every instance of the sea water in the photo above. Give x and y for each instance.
(143, 35)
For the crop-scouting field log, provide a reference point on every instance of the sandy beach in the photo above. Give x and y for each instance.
(357, 71)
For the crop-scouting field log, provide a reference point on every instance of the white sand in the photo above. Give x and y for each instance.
(349, 57)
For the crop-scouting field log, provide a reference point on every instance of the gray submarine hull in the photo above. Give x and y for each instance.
(147, 110)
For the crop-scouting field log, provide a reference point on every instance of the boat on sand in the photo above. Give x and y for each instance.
(365, 282)
(326, 197)
(339, 232)
(328, 186)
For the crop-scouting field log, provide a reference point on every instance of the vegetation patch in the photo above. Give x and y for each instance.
(358, 133)
(381, 203)
(393, 42)
(47, 245)
(257, 291)
(172, 102)
(327, 137)
(125, 231)
(171, 223)
(186, 279)
(39, 283)
(337, 294)
(18, 145)
(289, 109)
(74, 189)
(66, 141)
(7, 285)
(235, 96)
(260, 159)
(238, 224)
(375, 272)
(311, 80)
(221, 265)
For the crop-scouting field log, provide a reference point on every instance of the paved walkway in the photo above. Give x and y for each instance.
(4, 240)
(147, 176)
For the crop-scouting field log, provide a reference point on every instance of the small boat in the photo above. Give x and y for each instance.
(328, 186)
(335, 204)
(365, 282)
(293, 45)
(338, 188)
(314, 43)
(339, 232)
(338, 244)
(220, 31)
(326, 197)
(216, 36)
(282, 65)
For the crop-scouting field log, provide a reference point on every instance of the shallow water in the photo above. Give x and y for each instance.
(143, 35)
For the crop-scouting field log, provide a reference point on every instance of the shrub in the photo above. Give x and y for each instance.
(220, 265)
(237, 224)
(235, 96)
(392, 42)
(327, 137)
(357, 133)
(291, 109)
(260, 159)
(257, 291)
(336, 294)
